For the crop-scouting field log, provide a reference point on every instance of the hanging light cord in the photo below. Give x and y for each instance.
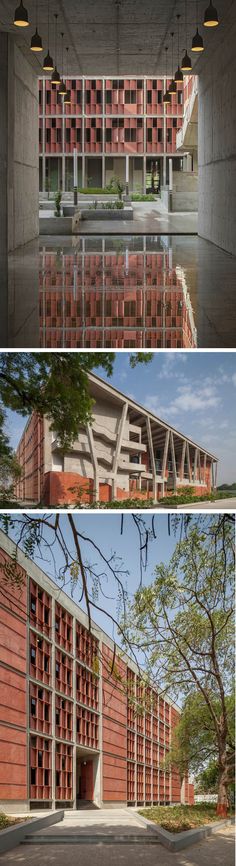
(56, 17)
(48, 24)
(62, 65)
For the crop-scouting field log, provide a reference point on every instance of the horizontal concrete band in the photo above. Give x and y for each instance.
(13, 836)
(178, 841)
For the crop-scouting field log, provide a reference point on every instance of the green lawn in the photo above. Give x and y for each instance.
(179, 818)
(6, 821)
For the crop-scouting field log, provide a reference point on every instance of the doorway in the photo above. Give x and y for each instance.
(87, 780)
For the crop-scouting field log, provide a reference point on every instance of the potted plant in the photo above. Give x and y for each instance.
(57, 200)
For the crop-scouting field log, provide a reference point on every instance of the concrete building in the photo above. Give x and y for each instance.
(125, 452)
(124, 44)
(117, 126)
(68, 729)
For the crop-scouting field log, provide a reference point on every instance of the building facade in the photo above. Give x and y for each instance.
(116, 293)
(118, 127)
(69, 732)
(125, 452)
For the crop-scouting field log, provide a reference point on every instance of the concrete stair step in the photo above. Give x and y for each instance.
(95, 839)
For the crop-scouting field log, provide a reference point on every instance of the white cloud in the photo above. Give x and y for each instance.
(169, 364)
(234, 379)
(191, 399)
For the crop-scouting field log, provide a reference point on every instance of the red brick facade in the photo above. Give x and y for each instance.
(63, 704)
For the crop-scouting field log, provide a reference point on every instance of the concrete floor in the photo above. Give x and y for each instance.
(216, 850)
(218, 504)
(149, 218)
(207, 274)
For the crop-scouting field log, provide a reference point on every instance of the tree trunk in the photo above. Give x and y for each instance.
(222, 804)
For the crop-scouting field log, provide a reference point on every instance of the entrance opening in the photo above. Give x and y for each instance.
(87, 779)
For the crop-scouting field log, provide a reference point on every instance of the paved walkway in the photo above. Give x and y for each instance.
(222, 504)
(149, 218)
(217, 850)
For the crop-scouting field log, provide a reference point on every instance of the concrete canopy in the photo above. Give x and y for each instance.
(112, 37)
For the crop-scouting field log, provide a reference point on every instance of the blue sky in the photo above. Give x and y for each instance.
(193, 391)
(105, 530)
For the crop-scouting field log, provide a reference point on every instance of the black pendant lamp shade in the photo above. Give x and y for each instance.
(67, 99)
(62, 88)
(173, 86)
(186, 64)
(48, 64)
(197, 43)
(21, 16)
(167, 96)
(211, 16)
(55, 78)
(178, 75)
(36, 42)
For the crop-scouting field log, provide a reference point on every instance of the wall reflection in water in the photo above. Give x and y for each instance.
(114, 292)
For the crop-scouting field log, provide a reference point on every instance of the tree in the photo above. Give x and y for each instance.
(179, 628)
(55, 384)
(9, 468)
(183, 625)
(194, 745)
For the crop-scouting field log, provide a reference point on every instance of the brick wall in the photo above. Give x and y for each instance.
(13, 663)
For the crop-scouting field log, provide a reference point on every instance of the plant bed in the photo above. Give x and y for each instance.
(8, 821)
(125, 213)
(179, 819)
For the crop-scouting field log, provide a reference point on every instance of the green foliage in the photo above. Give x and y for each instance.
(57, 199)
(54, 385)
(142, 197)
(116, 186)
(95, 190)
(180, 818)
(194, 743)
(183, 624)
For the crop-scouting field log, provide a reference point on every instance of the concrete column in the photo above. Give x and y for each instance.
(170, 175)
(44, 140)
(53, 680)
(127, 175)
(216, 134)
(3, 188)
(74, 714)
(144, 174)
(103, 171)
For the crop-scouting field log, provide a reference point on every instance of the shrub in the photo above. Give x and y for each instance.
(57, 200)
(136, 196)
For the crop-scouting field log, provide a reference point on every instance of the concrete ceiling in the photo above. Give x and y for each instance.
(112, 37)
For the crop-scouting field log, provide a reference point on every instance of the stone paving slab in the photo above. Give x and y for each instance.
(217, 850)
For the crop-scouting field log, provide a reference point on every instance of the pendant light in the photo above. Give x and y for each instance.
(173, 85)
(67, 100)
(36, 41)
(178, 75)
(21, 16)
(211, 16)
(62, 88)
(186, 64)
(197, 43)
(166, 97)
(48, 64)
(55, 78)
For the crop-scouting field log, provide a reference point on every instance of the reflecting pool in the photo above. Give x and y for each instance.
(119, 292)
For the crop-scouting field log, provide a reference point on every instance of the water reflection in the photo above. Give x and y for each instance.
(114, 292)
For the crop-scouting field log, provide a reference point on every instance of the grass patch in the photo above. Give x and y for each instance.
(138, 196)
(95, 190)
(175, 819)
(7, 821)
